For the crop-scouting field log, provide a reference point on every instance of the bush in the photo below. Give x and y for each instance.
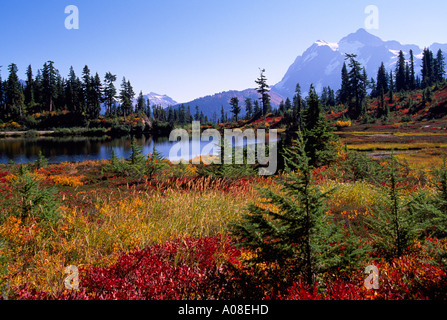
(32, 199)
(176, 270)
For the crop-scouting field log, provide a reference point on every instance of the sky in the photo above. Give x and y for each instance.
(188, 49)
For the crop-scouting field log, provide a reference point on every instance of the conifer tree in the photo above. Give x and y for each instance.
(263, 89)
(126, 96)
(49, 89)
(235, 108)
(427, 68)
(439, 67)
(248, 108)
(382, 80)
(29, 89)
(2, 100)
(400, 72)
(109, 91)
(141, 103)
(393, 225)
(292, 229)
(343, 92)
(356, 87)
(412, 83)
(13, 94)
(297, 108)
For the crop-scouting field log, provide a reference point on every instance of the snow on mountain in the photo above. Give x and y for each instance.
(321, 66)
(159, 100)
(322, 62)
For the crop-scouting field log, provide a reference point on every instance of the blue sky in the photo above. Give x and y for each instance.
(192, 48)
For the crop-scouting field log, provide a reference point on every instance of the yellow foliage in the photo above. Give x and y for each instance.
(68, 181)
(343, 124)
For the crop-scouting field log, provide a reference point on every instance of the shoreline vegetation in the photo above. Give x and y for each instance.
(144, 228)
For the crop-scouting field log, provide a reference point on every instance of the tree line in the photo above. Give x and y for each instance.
(355, 87)
(81, 96)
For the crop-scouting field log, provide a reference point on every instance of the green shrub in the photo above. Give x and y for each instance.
(34, 200)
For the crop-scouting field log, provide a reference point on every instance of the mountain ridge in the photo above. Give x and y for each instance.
(321, 65)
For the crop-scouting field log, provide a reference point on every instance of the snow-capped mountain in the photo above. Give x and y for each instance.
(159, 100)
(321, 64)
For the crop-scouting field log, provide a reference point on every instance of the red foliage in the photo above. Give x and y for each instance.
(174, 270)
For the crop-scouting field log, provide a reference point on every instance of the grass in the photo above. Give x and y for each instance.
(103, 216)
(396, 146)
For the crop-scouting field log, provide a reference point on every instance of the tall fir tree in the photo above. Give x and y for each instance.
(248, 108)
(49, 88)
(343, 92)
(29, 88)
(400, 72)
(439, 67)
(13, 94)
(263, 89)
(382, 80)
(427, 68)
(235, 108)
(356, 87)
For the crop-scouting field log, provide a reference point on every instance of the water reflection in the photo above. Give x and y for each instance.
(69, 149)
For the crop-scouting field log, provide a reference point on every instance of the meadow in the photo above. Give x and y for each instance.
(167, 234)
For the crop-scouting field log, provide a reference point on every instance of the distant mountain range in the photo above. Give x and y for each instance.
(321, 65)
(212, 105)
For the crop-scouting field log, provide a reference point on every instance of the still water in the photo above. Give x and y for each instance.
(70, 149)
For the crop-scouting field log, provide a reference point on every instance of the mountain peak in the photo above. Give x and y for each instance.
(364, 37)
(333, 46)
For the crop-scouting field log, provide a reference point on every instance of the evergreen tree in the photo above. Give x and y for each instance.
(248, 108)
(382, 80)
(29, 89)
(222, 115)
(427, 68)
(141, 103)
(197, 114)
(126, 96)
(263, 89)
(393, 226)
(235, 108)
(343, 93)
(49, 88)
(293, 229)
(356, 87)
(74, 92)
(297, 108)
(439, 67)
(313, 111)
(96, 97)
(412, 83)
(109, 91)
(400, 73)
(13, 94)
(257, 111)
(86, 89)
(2, 99)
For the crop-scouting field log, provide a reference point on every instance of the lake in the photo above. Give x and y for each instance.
(76, 148)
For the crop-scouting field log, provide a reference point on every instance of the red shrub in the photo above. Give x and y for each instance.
(174, 270)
